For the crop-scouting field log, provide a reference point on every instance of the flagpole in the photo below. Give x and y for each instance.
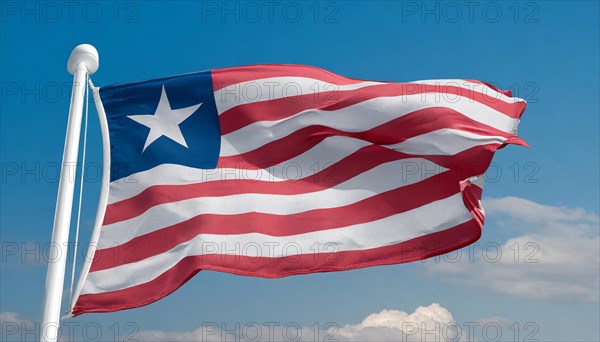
(83, 60)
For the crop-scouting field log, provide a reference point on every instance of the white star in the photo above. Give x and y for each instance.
(165, 121)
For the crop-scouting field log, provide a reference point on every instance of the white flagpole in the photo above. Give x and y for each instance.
(83, 61)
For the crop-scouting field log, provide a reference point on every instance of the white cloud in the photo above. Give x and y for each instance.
(556, 256)
(426, 323)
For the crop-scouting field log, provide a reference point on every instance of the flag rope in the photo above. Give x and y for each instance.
(79, 204)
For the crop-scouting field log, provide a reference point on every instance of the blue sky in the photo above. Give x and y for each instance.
(547, 52)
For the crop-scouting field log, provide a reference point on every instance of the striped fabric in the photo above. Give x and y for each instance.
(313, 172)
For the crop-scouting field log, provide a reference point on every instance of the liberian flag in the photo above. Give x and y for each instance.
(277, 170)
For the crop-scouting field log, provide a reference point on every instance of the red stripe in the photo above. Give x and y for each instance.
(416, 249)
(472, 200)
(491, 86)
(392, 132)
(471, 162)
(370, 209)
(468, 163)
(278, 109)
(229, 76)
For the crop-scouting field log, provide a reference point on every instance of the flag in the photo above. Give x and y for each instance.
(279, 170)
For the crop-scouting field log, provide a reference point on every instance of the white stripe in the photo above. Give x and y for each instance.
(469, 87)
(477, 180)
(272, 88)
(432, 217)
(356, 118)
(360, 187)
(444, 141)
(323, 155)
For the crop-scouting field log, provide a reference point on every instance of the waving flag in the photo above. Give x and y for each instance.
(277, 170)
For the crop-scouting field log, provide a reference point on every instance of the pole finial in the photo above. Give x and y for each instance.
(86, 54)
